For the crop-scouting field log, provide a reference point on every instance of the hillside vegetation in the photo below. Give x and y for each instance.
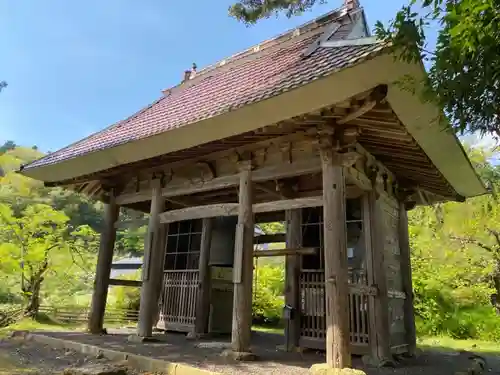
(49, 244)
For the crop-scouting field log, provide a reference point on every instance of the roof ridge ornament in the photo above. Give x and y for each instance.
(352, 4)
(330, 30)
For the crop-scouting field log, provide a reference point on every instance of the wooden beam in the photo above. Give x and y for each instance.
(335, 252)
(103, 270)
(269, 238)
(131, 283)
(409, 310)
(275, 172)
(285, 252)
(151, 272)
(243, 265)
(292, 277)
(232, 209)
(376, 96)
(203, 302)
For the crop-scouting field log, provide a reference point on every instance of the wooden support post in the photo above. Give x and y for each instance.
(243, 265)
(338, 353)
(292, 275)
(161, 248)
(103, 270)
(409, 311)
(151, 272)
(379, 303)
(203, 303)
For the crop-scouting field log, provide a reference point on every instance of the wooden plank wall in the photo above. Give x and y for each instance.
(392, 262)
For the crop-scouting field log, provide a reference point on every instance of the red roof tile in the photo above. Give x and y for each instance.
(217, 90)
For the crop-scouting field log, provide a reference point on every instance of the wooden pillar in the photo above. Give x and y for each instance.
(338, 354)
(103, 270)
(203, 302)
(151, 272)
(405, 254)
(292, 275)
(243, 265)
(379, 304)
(161, 248)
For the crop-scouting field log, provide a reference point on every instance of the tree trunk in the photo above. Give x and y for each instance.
(496, 283)
(32, 295)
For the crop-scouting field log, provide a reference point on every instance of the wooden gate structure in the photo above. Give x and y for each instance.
(181, 280)
(303, 121)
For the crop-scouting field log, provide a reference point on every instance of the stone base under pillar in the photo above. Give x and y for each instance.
(378, 362)
(239, 356)
(140, 339)
(324, 369)
(101, 332)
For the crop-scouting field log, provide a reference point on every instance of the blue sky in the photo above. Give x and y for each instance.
(75, 67)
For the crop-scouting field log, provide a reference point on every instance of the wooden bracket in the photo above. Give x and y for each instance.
(371, 171)
(137, 184)
(286, 152)
(207, 166)
(260, 156)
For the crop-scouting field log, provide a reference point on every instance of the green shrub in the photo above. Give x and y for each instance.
(124, 297)
(268, 300)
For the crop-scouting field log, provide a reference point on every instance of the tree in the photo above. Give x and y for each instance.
(250, 11)
(35, 244)
(8, 145)
(464, 68)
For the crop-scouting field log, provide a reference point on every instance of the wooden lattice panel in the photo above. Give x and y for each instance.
(178, 303)
(390, 214)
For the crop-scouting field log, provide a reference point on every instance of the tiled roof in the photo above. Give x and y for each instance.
(237, 83)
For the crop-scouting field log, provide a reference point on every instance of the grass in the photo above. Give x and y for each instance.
(449, 344)
(269, 329)
(427, 343)
(34, 325)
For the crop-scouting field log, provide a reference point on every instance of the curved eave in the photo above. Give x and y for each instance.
(419, 118)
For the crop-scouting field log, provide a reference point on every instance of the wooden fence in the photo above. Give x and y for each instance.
(10, 315)
(75, 314)
(70, 315)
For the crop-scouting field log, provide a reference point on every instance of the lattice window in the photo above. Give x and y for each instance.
(183, 245)
(312, 235)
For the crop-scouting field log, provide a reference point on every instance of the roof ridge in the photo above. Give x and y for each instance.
(304, 28)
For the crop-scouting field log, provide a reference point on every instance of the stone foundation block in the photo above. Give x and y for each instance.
(139, 339)
(324, 369)
(96, 370)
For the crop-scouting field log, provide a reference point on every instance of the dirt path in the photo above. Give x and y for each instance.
(20, 357)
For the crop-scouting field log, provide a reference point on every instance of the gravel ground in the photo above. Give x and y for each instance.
(206, 354)
(18, 356)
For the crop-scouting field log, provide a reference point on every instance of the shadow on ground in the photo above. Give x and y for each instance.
(205, 354)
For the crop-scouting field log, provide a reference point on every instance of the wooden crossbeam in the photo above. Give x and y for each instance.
(132, 283)
(275, 172)
(284, 252)
(231, 209)
(269, 238)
